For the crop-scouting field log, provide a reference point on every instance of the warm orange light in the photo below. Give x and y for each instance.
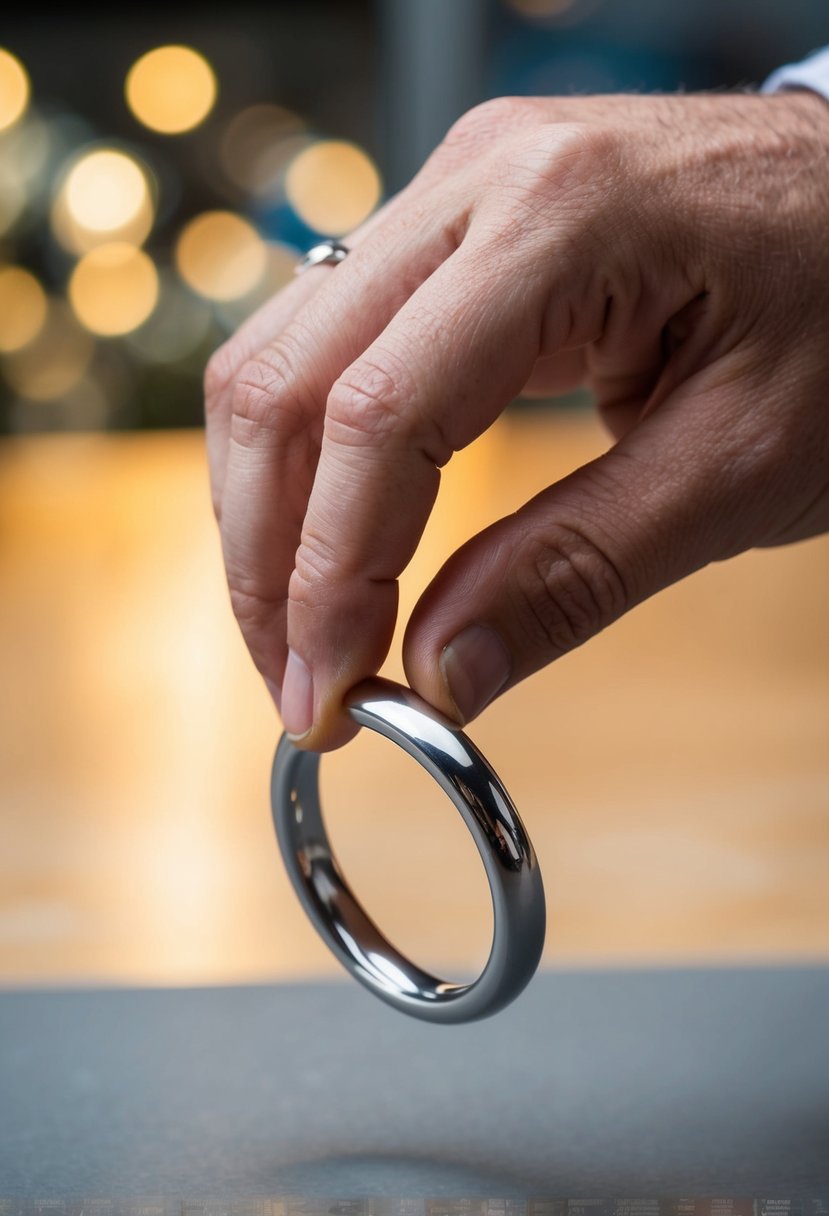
(171, 89)
(14, 89)
(113, 289)
(105, 197)
(22, 307)
(77, 239)
(258, 144)
(54, 361)
(105, 190)
(220, 255)
(333, 186)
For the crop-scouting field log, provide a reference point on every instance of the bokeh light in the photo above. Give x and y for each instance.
(333, 186)
(55, 360)
(22, 307)
(105, 197)
(113, 289)
(221, 256)
(171, 89)
(78, 240)
(105, 190)
(258, 144)
(14, 89)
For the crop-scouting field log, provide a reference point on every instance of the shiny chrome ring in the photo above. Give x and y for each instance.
(508, 856)
(326, 253)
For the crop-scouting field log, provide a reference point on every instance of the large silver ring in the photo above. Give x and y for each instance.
(327, 253)
(462, 772)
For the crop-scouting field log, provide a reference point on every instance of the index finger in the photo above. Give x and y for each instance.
(442, 370)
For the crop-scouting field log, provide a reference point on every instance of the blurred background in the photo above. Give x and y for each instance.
(160, 174)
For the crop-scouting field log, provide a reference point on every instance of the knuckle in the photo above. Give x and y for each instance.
(595, 142)
(365, 403)
(375, 403)
(315, 565)
(582, 147)
(480, 125)
(253, 415)
(562, 181)
(268, 402)
(218, 374)
(569, 589)
(576, 161)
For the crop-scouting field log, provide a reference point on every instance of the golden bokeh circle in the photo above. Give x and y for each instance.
(333, 186)
(113, 289)
(78, 240)
(14, 89)
(23, 308)
(171, 89)
(104, 190)
(220, 255)
(104, 197)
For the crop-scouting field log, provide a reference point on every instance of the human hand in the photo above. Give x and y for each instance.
(670, 253)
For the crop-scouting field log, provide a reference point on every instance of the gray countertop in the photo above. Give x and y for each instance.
(694, 1082)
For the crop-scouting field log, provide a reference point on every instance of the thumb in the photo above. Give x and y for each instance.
(661, 503)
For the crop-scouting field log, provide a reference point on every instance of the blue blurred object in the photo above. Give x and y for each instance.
(541, 62)
(279, 222)
(595, 46)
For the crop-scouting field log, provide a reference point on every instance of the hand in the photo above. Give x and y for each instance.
(670, 253)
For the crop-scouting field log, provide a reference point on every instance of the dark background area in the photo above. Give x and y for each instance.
(388, 77)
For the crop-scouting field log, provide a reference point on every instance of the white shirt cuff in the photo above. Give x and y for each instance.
(811, 73)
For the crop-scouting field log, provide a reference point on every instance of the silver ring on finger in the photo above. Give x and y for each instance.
(326, 253)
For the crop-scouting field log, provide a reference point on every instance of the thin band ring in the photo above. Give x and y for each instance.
(509, 860)
(327, 253)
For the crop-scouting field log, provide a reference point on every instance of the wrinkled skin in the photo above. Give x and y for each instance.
(670, 253)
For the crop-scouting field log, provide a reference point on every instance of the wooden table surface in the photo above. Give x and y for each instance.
(673, 773)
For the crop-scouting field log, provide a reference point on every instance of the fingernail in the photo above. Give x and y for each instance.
(475, 665)
(297, 697)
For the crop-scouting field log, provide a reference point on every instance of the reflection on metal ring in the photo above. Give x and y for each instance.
(463, 773)
(327, 253)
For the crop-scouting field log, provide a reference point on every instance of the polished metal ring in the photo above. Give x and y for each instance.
(327, 253)
(462, 772)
